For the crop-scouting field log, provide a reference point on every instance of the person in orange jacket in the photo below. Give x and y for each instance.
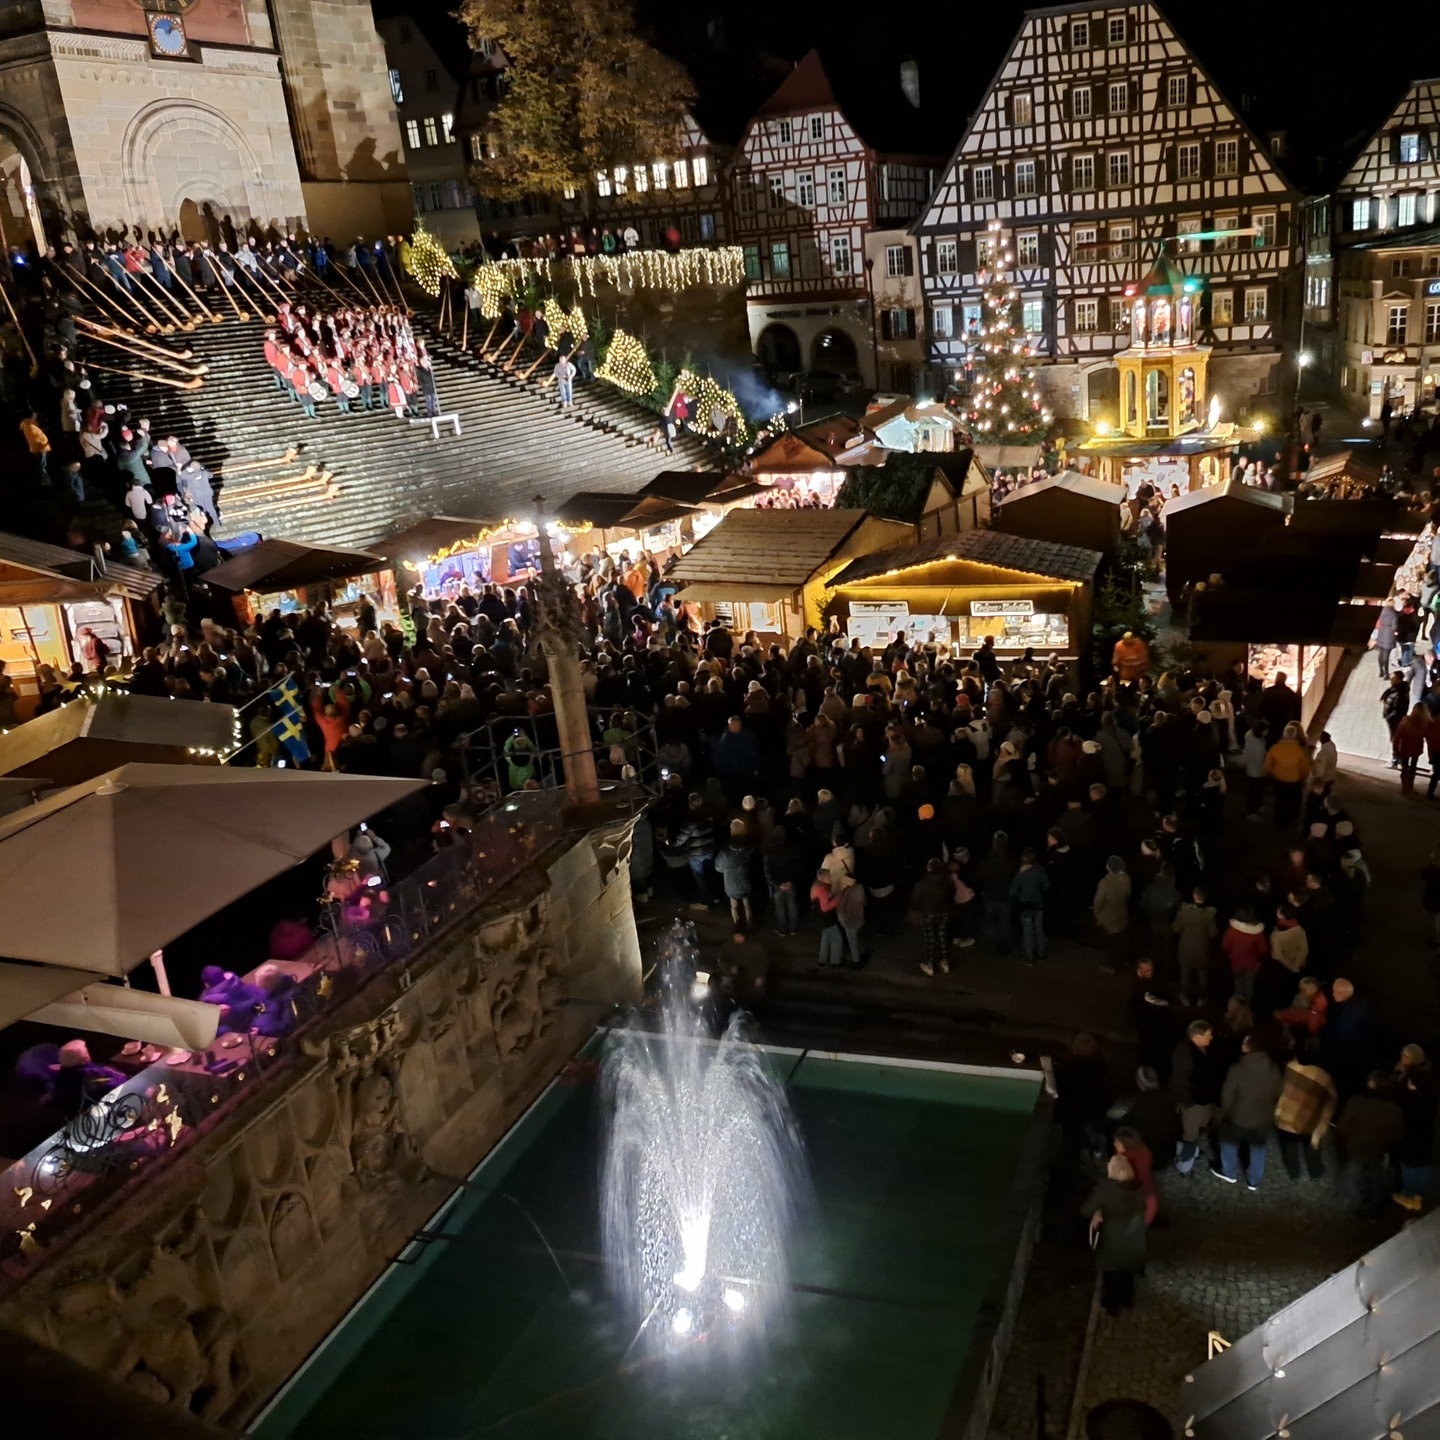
(1131, 658)
(333, 718)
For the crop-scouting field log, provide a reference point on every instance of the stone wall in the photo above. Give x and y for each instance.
(145, 135)
(206, 1285)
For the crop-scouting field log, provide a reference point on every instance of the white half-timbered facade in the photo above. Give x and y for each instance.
(1101, 143)
(665, 199)
(806, 190)
(1386, 213)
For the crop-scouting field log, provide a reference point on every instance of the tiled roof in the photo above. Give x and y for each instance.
(980, 547)
(768, 547)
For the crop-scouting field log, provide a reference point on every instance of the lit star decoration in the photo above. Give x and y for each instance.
(564, 322)
(429, 262)
(1004, 398)
(627, 366)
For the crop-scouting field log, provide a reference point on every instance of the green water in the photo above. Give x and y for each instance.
(912, 1173)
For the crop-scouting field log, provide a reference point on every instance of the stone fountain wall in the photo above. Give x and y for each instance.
(206, 1285)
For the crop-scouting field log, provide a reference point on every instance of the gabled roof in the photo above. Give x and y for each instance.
(1071, 482)
(1232, 491)
(768, 547)
(806, 87)
(32, 572)
(1040, 558)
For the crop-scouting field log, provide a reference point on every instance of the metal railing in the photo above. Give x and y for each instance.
(141, 1125)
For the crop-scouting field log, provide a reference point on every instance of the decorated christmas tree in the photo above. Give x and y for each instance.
(428, 261)
(1004, 398)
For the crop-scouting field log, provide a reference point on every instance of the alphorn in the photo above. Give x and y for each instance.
(160, 327)
(191, 292)
(251, 465)
(103, 335)
(109, 305)
(183, 319)
(241, 315)
(194, 383)
(131, 338)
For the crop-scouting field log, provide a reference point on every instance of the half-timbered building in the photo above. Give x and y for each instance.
(666, 199)
(1386, 213)
(1101, 144)
(813, 177)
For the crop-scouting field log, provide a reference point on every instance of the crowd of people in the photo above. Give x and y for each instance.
(363, 356)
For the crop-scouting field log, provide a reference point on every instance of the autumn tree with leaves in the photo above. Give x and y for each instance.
(584, 93)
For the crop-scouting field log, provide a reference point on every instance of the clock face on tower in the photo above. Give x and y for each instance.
(167, 35)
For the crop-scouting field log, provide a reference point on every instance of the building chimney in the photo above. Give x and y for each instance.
(910, 81)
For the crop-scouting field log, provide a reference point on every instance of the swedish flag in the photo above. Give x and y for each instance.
(289, 726)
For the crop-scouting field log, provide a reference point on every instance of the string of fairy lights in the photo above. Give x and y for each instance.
(627, 365)
(1005, 399)
(428, 261)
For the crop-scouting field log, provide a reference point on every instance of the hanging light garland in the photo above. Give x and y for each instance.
(428, 261)
(631, 270)
(627, 366)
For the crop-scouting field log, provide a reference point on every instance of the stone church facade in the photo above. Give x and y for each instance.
(112, 112)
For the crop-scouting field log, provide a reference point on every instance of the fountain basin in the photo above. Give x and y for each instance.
(926, 1181)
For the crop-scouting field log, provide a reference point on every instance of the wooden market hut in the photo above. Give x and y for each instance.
(1208, 532)
(957, 589)
(937, 493)
(766, 570)
(1066, 509)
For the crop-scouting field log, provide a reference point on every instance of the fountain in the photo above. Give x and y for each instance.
(702, 1169)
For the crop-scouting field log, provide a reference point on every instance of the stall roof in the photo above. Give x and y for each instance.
(1347, 465)
(428, 537)
(604, 509)
(1197, 442)
(771, 548)
(824, 445)
(1357, 1356)
(654, 510)
(286, 565)
(34, 573)
(1007, 457)
(1230, 490)
(1040, 558)
(145, 721)
(692, 487)
(1071, 482)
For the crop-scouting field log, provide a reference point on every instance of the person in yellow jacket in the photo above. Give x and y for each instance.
(1288, 764)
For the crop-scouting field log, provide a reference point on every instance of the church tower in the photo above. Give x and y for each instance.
(182, 112)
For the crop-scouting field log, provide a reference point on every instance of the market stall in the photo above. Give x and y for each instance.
(1068, 509)
(52, 600)
(287, 576)
(809, 463)
(955, 590)
(767, 570)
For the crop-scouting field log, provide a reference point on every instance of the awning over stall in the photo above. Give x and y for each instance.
(287, 565)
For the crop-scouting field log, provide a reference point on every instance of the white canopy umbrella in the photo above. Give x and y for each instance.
(83, 872)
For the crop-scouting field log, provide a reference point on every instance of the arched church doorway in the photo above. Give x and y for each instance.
(20, 220)
(835, 350)
(778, 349)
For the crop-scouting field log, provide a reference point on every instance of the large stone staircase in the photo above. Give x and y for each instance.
(356, 477)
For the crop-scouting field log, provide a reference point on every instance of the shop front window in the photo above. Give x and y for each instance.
(1157, 399)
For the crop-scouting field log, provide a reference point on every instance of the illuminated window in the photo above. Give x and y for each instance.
(1222, 307)
(947, 257)
(1432, 322)
(1027, 247)
(1360, 215)
(447, 127)
(412, 135)
(836, 186)
(942, 322)
(1265, 224)
(1087, 315)
(432, 130)
(1189, 225)
(1032, 316)
(1397, 324)
(777, 192)
(602, 183)
(840, 254)
(1022, 109)
(622, 175)
(397, 90)
(1256, 303)
(1405, 209)
(682, 174)
(700, 169)
(660, 173)
(642, 178)
(1082, 172)
(780, 259)
(1409, 150)
(752, 262)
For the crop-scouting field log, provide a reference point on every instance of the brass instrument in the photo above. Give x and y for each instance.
(193, 294)
(193, 383)
(124, 340)
(240, 315)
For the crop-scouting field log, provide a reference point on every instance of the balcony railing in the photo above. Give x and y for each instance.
(137, 1129)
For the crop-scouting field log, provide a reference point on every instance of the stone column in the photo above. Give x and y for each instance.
(558, 626)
